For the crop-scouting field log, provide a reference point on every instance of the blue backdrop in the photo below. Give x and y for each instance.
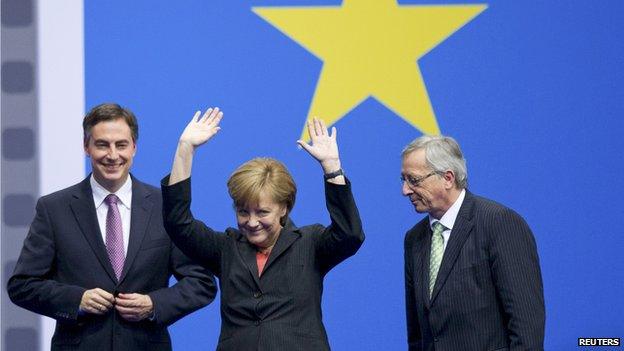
(533, 91)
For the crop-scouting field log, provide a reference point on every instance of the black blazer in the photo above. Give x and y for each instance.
(64, 255)
(488, 294)
(281, 310)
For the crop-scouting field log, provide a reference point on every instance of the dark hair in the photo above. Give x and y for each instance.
(109, 112)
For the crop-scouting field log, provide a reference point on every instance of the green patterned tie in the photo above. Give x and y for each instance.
(437, 251)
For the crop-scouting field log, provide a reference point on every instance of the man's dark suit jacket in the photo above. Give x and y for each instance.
(488, 294)
(64, 255)
(281, 310)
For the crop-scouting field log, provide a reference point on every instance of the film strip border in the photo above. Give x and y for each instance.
(43, 102)
(20, 157)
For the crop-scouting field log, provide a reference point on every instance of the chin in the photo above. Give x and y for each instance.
(420, 208)
(255, 239)
(114, 175)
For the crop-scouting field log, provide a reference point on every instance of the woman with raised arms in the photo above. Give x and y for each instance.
(270, 271)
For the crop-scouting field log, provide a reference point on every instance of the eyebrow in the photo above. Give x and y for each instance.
(108, 142)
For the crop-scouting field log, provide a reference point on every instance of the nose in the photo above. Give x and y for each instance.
(113, 154)
(252, 222)
(405, 189)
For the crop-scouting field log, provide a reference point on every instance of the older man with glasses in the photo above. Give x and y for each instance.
(472, 274)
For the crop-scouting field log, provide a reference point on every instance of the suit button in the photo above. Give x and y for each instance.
(436, 339)
(257, 322)
(257, 294)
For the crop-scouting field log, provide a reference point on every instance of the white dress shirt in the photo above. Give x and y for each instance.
(448, 219)
(125, 200)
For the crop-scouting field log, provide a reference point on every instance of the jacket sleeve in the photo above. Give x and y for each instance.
(32, 285)
(194, 289)
(517, 278)
(344, 236)
(414, 339)
(192, 237)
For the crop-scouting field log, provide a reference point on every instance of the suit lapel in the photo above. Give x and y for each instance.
(421, 260)
(84, 211)
(460, 232)
(140, 214)
(248, 254)
(286, 239)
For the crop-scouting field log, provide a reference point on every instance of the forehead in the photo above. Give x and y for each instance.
(116, 129)
(264, 200)
(414, 161)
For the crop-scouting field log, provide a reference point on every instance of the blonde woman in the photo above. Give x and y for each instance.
(270, 271)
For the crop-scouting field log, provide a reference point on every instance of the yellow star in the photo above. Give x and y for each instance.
(370, 48)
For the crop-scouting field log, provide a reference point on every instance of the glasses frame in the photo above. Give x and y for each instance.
(414, 182)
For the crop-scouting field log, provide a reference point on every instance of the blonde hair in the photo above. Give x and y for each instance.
(262, 174)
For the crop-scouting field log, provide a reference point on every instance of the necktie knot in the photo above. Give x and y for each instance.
(438, 228)
(111, 199)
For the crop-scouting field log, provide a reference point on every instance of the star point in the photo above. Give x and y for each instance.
(371, 48)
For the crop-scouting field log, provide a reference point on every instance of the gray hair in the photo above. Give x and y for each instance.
(442, 154)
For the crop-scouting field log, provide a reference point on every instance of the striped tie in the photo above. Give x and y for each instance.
(437, 251)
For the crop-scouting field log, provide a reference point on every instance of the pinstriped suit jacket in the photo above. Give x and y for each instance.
(281, 310)
(488, 294)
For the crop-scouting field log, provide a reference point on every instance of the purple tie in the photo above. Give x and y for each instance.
(114, 235)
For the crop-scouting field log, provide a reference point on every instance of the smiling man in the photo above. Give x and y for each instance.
(472, 275)
(97, 257)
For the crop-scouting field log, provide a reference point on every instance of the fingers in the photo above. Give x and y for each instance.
(128, 300)
(129, 314)
(126, 309)
(104, 295)
(215, 116)
(205, 116)
(305, 146)
(334, 132)
(96, 301)
(216, 119)
(212, 116)
(100, 303)
(322, 126)
(195, 117)
(134, 307)
(317, 128)
(311, 131)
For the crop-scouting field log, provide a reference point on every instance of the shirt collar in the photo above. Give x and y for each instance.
(100, 193)
(448, 219)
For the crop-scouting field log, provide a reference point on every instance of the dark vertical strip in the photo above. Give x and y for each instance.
(20, 158)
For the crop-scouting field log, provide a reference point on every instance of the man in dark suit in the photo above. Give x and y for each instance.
(97, 258)
(472, 275)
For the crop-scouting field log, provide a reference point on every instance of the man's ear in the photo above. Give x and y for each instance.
(85, 146)
(449, 179)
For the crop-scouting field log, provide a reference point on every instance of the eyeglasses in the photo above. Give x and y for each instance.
(413, 182)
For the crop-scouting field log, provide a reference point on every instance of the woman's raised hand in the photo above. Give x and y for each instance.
(201, 129)
(323, 146)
